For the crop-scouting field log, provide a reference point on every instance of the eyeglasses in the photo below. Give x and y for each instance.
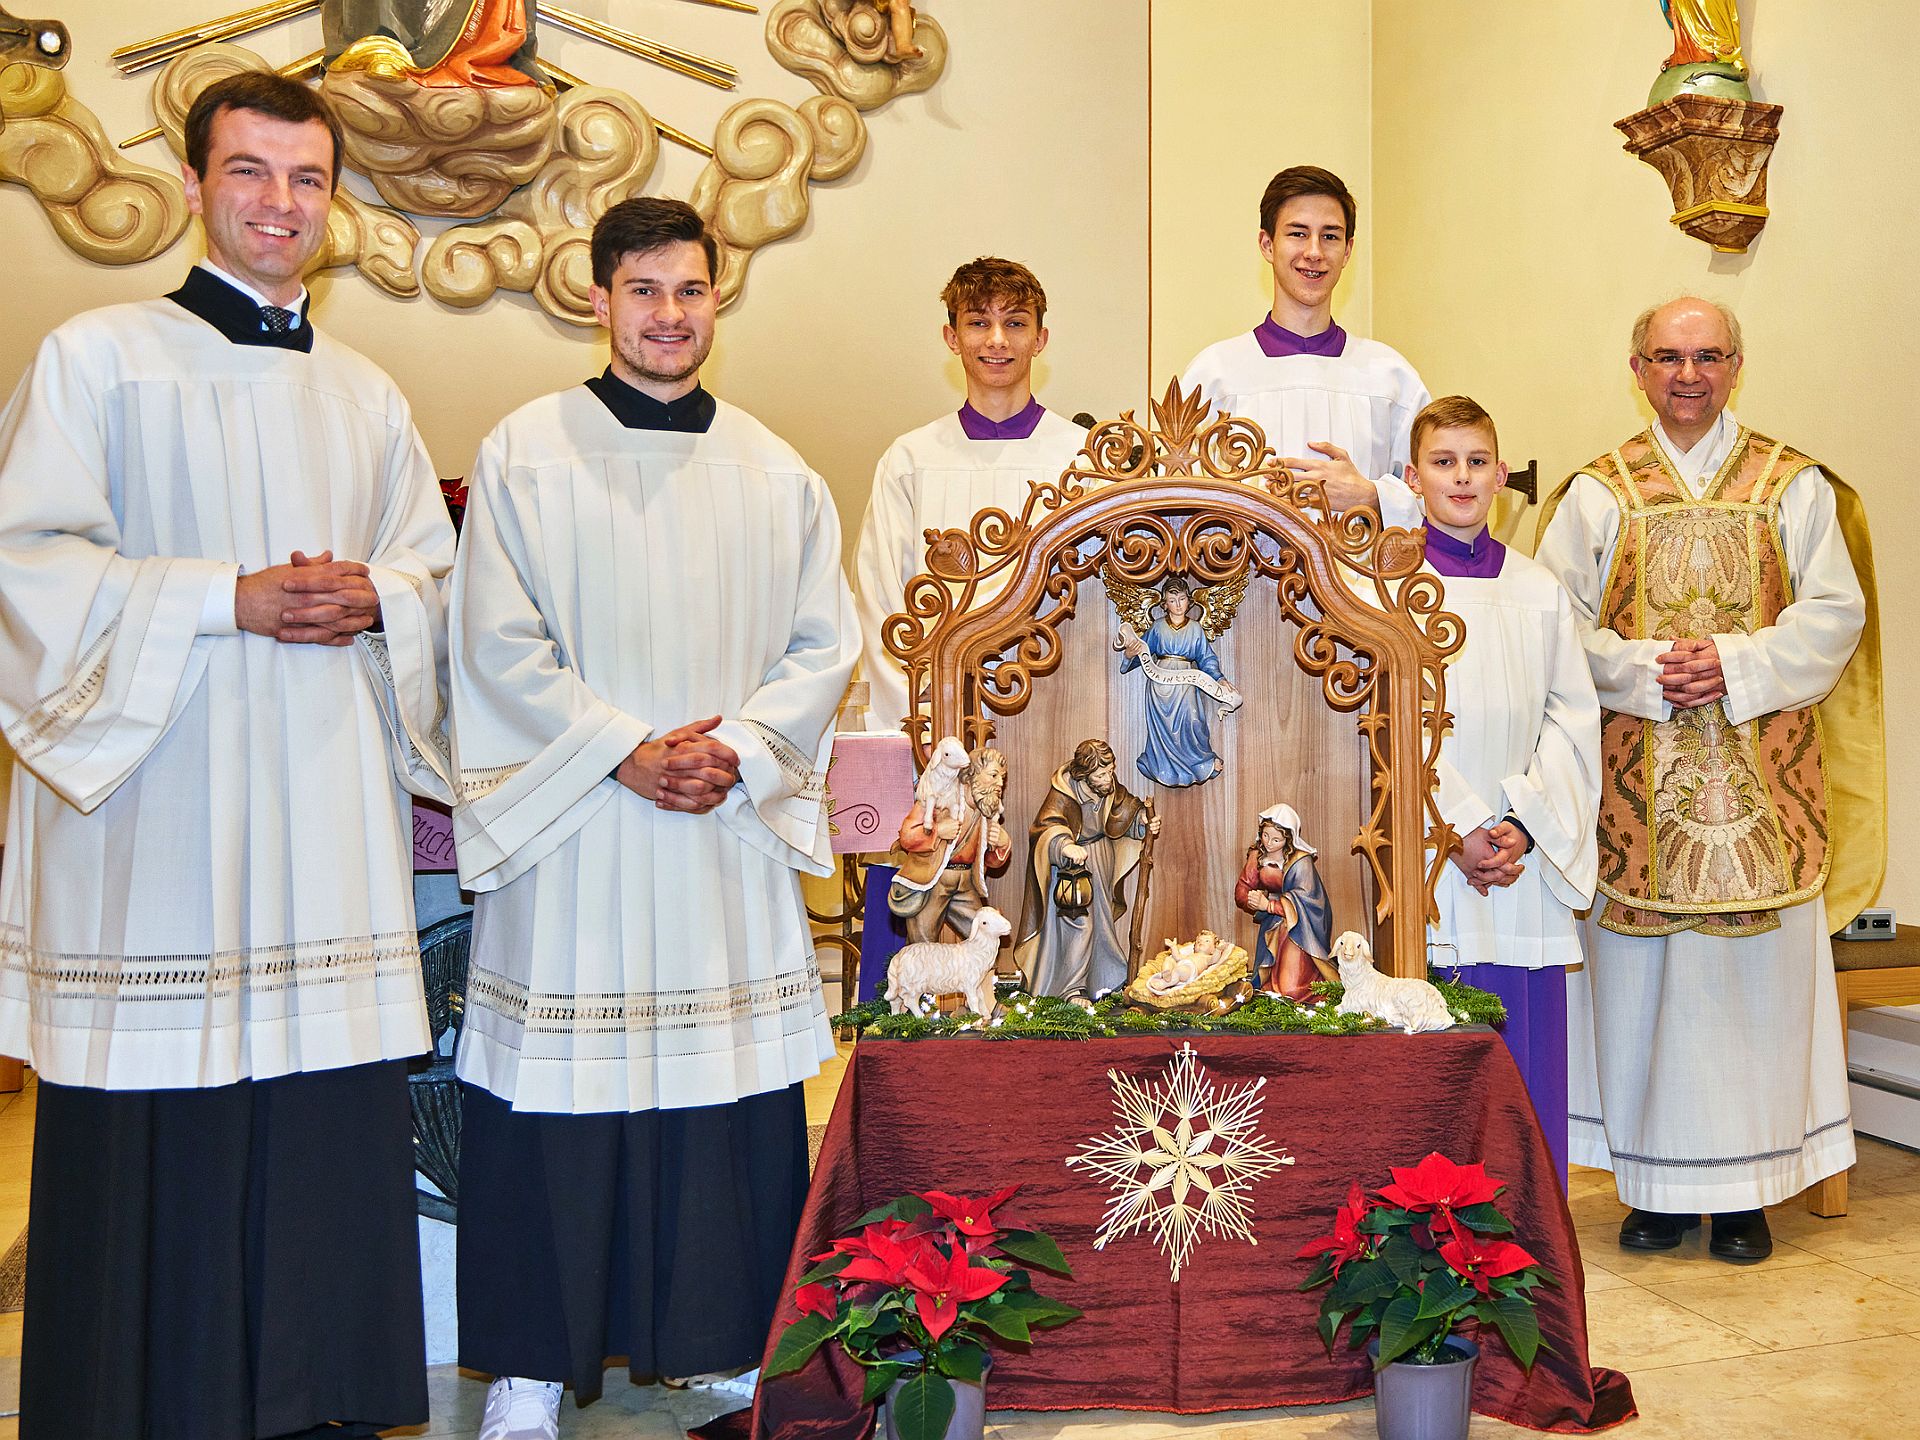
(1700, 359)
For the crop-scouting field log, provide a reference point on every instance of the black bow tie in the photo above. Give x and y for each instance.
(277, 321)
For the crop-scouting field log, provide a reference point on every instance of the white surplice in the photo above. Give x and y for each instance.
(614, 584)
(1525, 742)
(209, 849)
(1708, 1073)
(937, 478)
(1363, 400)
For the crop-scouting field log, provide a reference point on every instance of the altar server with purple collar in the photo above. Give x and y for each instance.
(651, 635)
(1335, 407)
(221, 641)
(1520, 769)
(940, 476)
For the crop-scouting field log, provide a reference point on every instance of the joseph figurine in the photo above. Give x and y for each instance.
(1088, 822)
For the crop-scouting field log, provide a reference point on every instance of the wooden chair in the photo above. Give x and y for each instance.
(1868, 972)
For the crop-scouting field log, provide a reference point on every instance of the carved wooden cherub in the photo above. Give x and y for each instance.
(899, 15)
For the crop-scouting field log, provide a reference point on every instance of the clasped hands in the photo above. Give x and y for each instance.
(1490, 856)
(1690, 674)
(311, 600)
(685, 769)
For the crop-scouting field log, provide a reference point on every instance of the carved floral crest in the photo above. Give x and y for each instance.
(1202, 496)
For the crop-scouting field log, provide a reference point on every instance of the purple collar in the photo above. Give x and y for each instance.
(1479, 559)
(1277, 341)
(1014, 427)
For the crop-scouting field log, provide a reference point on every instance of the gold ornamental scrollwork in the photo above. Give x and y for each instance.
(1205, 498)
(531, 154)
(851, 48)
(100, 206)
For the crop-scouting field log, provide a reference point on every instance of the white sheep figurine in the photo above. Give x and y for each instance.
(1407, 1004)
(959, 967)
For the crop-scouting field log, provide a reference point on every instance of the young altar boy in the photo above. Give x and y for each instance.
(1335, 407)
(940, 476)
(1520, 770)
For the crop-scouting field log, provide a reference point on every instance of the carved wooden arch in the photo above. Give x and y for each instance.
(1204, 497)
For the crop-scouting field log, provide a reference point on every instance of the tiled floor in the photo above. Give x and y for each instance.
(1821, 1340)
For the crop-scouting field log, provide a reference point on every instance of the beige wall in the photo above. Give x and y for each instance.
(1241, 89)
(1517, 240)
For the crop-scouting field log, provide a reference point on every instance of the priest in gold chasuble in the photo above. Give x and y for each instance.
(1723, 583)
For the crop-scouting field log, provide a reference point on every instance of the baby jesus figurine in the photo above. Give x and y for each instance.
(1190, 962)
(1280, 887)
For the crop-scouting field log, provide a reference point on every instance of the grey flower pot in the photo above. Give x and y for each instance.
(1424, 1402)
(969, 1411)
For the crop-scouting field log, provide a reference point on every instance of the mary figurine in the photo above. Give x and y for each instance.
(1183, 675)
(1280, 887)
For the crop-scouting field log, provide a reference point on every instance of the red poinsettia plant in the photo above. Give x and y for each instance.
(1420, 1256)
(917, 1293)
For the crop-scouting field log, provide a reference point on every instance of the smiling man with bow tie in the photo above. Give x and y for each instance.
(221, 640)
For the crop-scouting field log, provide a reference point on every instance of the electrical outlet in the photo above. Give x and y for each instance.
(1869, 925)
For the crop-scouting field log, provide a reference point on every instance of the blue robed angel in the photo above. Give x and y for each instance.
(1184, 681)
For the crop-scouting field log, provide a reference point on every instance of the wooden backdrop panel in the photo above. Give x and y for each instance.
(1284, 744)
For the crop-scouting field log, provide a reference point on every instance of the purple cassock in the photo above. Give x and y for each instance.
(1014, 427)
(1276, 340)
(1536, 1000)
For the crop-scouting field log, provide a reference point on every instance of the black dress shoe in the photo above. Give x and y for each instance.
(1741, 1235)
(1655, 1230)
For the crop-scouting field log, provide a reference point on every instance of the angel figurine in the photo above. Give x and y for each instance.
(1176, 652)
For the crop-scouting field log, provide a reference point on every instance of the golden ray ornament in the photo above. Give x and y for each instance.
(461, 119)
(1182, 1159)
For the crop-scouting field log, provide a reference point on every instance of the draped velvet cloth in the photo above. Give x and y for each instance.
(1235, 1332)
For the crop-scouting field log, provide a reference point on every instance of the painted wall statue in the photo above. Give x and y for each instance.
(949, 840)
(484, 43)
(1704, 32)
(1089, 836)
(1280, 887)
(1182, 669)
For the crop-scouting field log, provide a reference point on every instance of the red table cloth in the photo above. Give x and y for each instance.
(1235, 1332)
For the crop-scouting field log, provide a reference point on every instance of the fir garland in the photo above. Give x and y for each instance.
(1048, 1017)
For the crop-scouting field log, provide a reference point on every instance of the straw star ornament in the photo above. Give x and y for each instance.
(1182, 1159)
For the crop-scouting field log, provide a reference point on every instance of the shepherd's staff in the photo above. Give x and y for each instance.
(1140, 898)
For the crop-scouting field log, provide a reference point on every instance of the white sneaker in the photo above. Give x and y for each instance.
(521, 1410)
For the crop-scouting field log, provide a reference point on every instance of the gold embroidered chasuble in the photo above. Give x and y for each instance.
(1705, 824)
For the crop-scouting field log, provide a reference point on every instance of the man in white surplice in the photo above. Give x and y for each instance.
(987, 455)
(1718, 605)
(1335, 407)
(221, 635)
(651, 636)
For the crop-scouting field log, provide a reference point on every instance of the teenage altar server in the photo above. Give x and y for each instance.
(651, 635)
(943, 474)
(1335, 407)
(1713, 572)
(1520, 769)
(221, 547)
